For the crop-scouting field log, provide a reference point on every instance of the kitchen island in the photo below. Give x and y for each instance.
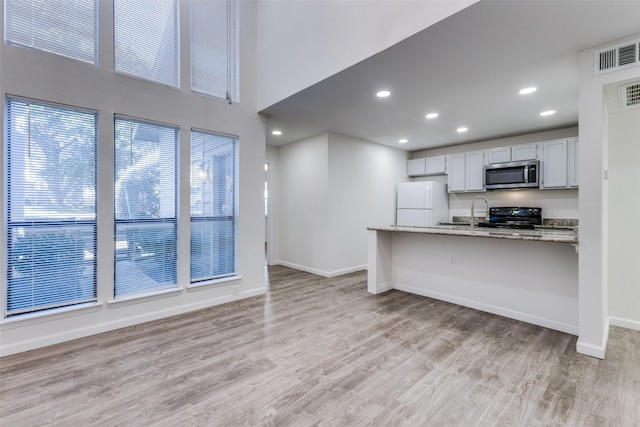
(528, 275)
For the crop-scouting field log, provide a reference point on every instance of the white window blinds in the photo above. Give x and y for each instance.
(63, 27)
(145, 202)
(146, 34)
(213, 205)
(51, 212)
(214, 48)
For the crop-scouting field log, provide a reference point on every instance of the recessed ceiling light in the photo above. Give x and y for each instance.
(383, 94)
(548, 113)
(403, 141)
(462, 129)
(527, 90)
(431, 115)
(276, 132)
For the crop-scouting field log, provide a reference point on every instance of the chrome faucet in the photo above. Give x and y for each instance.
(473, 205)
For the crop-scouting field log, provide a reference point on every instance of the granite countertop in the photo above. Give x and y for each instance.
(555, 234)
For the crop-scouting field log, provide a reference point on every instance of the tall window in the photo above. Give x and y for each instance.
(213, 205)
(146, 37)
(214, 48)
(145, 206)
(51, 212)
(63, 27)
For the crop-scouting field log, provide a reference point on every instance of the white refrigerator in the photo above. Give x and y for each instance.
(422, 203)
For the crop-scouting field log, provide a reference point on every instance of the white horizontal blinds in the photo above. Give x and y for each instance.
(214, 48)
(146, 34)
(145, 206)
(63, 27)
(213, 205)
(51, 212)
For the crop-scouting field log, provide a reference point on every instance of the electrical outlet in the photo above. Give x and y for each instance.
(452, 261)
(234, 291)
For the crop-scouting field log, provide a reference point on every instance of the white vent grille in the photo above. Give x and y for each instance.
(630, 95)
(617, 57)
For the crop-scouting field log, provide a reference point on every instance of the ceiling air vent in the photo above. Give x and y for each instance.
(617, 57)
(630, 95)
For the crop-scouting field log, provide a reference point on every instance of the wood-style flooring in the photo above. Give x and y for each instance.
(316, 351)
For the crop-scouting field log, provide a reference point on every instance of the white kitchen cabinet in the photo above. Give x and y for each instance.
(554, 164)
(524, 152)
(456, 172)
(573, 164)
(416, 167)
(474, 172)
(435, 165)
(465, 171)
(426, 166)
(499, 155)
(514, 153)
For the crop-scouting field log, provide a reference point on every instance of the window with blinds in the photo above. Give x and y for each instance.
(63, 27)
(215, 49)
(146, 38)
(213, 205)
(51, 206)
(145, 206)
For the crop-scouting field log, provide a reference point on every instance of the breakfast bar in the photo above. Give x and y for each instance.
(528, 275)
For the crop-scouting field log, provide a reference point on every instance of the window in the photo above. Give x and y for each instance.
(214, 48)
(145, 206)
(63, 27)
(213, 205)
(146, 39)
(51, 212)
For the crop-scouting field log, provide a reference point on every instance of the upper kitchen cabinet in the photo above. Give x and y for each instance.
(513, 153)
(465, 171)
(426, 166)
(560, 163)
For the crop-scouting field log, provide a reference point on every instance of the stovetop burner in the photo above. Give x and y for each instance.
(513, 217)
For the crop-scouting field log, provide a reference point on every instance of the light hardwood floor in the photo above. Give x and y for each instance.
(316, 351)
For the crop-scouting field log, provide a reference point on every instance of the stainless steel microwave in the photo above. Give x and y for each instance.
(524, 174)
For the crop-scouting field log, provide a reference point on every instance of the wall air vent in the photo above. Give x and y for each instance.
(618, 57)
(630, 95)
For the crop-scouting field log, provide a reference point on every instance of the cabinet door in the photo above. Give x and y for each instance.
(499, 155)
(435, 165)
(524, 152)
(554, 164)
(573, 164)
(416, 167)
(455, 172)
(474, 171)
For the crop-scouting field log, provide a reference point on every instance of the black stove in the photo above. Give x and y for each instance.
(517, 218)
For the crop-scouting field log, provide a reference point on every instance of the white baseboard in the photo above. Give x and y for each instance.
(595, 350)
(384, 287)
(321, 272)
(501, 311)
(624, 323)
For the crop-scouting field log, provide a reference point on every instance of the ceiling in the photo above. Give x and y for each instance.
(469, 69)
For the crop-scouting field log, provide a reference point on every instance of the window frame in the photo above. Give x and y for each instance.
(147, 222)
(233, 217)
(51, 223)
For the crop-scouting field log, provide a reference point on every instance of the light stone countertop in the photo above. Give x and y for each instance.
(539, 235)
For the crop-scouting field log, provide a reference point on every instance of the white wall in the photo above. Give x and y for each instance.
(623, 127)
(47, 77)
(303, 211)
(362, 193)
(554, 203)
(593, 206)
(273, 223)
(308, 41)
(331, 188)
